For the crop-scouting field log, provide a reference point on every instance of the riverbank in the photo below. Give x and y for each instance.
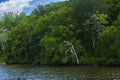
(60, 65)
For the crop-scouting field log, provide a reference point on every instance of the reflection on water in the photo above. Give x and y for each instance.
(26, 72)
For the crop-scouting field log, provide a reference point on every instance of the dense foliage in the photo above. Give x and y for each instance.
(92, 26)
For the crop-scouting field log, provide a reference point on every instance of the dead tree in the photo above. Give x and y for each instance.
(71, 49)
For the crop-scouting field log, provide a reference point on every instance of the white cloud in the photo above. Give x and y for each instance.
(14, 6)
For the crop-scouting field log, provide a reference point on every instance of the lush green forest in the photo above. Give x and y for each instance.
(62, 33)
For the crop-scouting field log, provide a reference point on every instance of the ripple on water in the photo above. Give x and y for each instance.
(27, 72)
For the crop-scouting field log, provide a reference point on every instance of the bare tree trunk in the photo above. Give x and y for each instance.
(3, 48)
(93, 42)
(26, 55)
(72, 50)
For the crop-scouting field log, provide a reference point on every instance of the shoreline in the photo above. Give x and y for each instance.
(61, 65)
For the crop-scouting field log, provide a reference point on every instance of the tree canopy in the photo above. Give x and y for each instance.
(91, 26)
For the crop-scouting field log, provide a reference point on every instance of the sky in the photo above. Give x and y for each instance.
(21, 5)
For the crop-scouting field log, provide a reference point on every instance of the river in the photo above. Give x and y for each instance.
(27, 72)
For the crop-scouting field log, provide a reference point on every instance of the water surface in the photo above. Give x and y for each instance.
(27, 72)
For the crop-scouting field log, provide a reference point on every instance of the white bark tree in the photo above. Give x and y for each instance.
(71, 49)
(3, 39)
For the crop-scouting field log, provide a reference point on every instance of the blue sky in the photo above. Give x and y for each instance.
(21, 5)
(35, 3)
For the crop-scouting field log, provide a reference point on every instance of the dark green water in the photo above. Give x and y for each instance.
(27, 72)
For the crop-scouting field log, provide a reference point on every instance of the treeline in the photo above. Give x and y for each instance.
(91, 26)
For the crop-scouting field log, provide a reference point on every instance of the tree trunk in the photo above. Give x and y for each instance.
(93, 42)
